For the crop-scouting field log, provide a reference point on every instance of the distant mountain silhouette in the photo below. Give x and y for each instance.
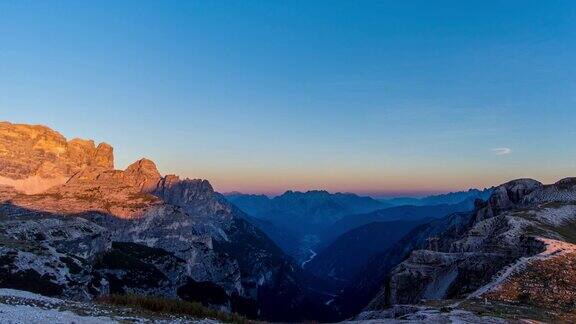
(304, 214)
(448, 198)
(405, 213)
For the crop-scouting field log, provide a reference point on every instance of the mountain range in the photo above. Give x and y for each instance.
(447, 198)
(74, 228)
(301, 215)
(316, 218)
(405, 213)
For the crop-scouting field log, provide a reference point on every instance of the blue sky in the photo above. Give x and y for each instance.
(381, 97)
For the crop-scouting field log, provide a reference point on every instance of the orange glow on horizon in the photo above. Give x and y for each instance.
(364, 182)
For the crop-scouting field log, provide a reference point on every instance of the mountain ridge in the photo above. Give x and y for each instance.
(487, 254)
(209, 245)
(304, 214)
(454, 197)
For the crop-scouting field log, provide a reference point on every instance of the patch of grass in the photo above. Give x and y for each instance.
(88, 198)
(555, 204)
(567, 231)
(509, 311)
(53, 195)
(172, 307)
(145, 197)
(547, 283)
(512, 311)
(137, 272)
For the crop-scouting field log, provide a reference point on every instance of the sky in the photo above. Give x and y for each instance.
(386, 98)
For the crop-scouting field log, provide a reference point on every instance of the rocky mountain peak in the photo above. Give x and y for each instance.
(514, 191)
(144, 174)
(103, 157)
(491, 252)
(506, 196)
(196, 196)
(186, 189)
(34, 158)
(566, 183)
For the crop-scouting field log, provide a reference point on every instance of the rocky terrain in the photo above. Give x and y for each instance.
(18, 306)
(504, 251)
(423, 314)
(98, 230)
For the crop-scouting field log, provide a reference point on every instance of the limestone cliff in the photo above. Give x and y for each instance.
(34, 158)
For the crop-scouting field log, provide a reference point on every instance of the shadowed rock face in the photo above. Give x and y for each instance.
(455, 266)
(345, 257)
(36, 158)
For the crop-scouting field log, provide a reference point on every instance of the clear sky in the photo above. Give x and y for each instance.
(380, 97)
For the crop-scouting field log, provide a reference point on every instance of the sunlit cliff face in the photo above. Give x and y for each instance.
(34, 158)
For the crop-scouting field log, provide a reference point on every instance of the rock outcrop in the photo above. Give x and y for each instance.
(36, 158)
(50, 256)
(144, 175)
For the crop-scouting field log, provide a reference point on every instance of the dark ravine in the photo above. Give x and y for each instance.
(301, 216)
(344, 258)
(373, 275)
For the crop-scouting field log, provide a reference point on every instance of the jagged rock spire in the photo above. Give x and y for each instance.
(144, 174)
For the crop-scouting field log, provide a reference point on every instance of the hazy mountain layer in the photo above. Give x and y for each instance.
(404, 213)
(302, 215)
(448, 198)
